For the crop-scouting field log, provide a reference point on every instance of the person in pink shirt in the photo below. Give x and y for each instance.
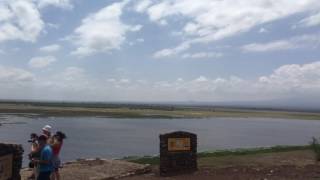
(57, 144)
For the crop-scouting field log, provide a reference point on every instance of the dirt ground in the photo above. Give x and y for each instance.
(96, 169)
(242, 173)
(299, 164)
(280, 166)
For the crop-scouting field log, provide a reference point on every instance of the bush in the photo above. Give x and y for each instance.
(316, 147)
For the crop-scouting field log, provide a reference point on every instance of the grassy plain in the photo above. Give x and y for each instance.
(215, 158)
(149, 111)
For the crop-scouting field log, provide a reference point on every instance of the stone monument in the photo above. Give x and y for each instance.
(178, 153)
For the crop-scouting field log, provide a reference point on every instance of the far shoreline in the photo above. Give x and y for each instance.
(149, 111)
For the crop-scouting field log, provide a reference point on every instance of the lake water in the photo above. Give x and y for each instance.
(90, 137)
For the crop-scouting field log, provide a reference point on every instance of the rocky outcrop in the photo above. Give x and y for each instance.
(17, 154)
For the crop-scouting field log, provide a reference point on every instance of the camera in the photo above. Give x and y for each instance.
(31, 164)
(33, 138)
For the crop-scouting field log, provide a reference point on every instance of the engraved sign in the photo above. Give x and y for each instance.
(178, 153)
(6, 167)
(179, 144)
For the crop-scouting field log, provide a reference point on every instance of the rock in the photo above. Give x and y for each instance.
(17, 152)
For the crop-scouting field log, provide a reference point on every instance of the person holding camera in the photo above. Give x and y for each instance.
(33, 154)
(36, 149)
(44, 163)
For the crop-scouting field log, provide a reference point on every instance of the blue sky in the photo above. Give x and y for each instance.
(152, 50)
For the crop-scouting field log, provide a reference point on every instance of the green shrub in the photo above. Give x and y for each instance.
(316, 147)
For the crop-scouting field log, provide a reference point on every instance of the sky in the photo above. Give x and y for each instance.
(160, 51)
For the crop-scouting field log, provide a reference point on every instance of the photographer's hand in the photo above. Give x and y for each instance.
(36, 161)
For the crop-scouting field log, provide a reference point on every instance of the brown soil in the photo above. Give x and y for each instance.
(268, 166)
(97, 169)
(284, 172)
(298, 164)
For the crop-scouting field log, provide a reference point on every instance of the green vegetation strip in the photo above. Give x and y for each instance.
(154, 160)
(150, 111)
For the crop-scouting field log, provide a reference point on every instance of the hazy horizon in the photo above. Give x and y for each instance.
(275, 105)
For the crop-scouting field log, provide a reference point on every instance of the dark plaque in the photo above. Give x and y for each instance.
(178, 153)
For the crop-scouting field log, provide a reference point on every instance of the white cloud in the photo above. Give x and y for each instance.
(209, 20)
(136, 28)
(50, 48)
(272, 46)
(121, 83)
(19, 20)
(155, 12)
(71, 78)
(14, 75)
(142, 5)
(41, 62)
(201, 79)
(263, 30)
(286, 82)
(65, 4)
(202, 55)
(70, 84)
(292, 79)
(170, 52)
(313, 20)
(180, 80)
(304, 41)
(102, 31)
(72, 74)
